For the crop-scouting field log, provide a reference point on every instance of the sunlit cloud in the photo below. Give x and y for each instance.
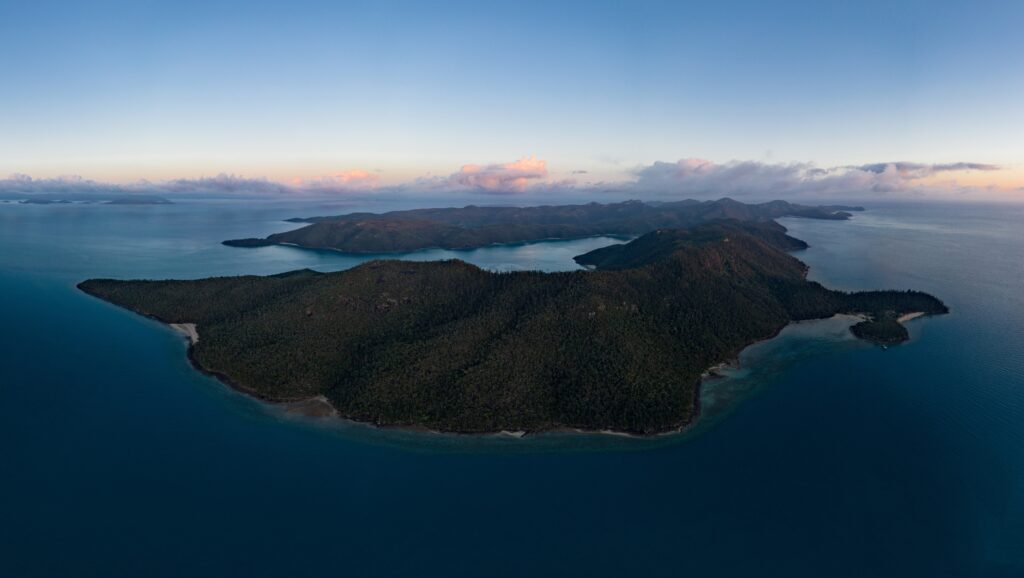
(686, 178)
(25, 184)
(220, 184)
(353, 179)
(505, 177)
(703, 178)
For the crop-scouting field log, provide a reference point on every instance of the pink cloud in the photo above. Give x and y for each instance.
(703, 178)
(504, 177)
(687, 177)
(350, 179)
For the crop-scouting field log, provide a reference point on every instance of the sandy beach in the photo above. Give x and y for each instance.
(908, 316)
(188, 330)
(317, 406)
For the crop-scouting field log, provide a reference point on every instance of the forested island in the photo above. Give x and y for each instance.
(448, 346)
(471, 227)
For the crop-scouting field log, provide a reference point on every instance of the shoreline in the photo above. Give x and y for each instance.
(398, 254)
(908, 316)
(188, 330)
(320, 407)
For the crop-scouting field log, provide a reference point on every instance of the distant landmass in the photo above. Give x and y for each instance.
(44, 201)
(85, 198)
(138, 200)
(448, 346)
(471, 227)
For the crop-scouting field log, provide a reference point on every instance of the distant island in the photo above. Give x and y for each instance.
(52, 199)
(471, 227)
(44, 201)
(448, 346)
(138, 200)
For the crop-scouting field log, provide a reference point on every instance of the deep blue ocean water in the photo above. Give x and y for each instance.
(818, 456)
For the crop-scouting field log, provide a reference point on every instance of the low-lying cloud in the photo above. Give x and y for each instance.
(221, 185)
(354, 179)
(685, 178)
(921, 170)
(703, 178)
(24, 184)
(500, 178)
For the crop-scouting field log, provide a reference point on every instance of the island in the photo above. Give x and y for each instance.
(44, 201)
(138, 200)
(450, 347)
(85, 198)
(472, 226)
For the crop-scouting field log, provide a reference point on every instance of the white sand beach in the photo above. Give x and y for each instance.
(908, 316)
(188, 330)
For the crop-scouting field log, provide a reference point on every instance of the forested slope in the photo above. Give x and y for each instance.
(473, 226)
(449, 346)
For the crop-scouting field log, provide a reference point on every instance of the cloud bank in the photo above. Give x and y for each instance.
(221, 185)
(703, 178)
(500, 178)
(920, 170)
(685, 178)
(22, 183)
(354, 179)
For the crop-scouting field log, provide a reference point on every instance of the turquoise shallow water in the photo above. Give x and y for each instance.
(818, 456)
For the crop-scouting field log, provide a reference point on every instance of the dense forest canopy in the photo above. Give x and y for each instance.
(473, 226)
(449, 346)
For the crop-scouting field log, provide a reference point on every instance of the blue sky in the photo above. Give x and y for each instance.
(386, 93)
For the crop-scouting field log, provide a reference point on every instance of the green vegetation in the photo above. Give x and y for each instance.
(472, 226)
(452, 347)
(661, 243)
(882, 330)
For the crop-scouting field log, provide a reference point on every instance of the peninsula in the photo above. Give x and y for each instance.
(472, 226)
(448, 346)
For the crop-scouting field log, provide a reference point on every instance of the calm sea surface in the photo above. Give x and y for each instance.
(818, 456)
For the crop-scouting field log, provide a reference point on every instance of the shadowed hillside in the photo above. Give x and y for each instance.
(472, 226)
(452, 347)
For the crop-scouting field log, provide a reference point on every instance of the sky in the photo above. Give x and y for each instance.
(662, 98)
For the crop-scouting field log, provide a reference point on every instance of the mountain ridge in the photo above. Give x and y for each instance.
(448, 346)
(473, 226)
